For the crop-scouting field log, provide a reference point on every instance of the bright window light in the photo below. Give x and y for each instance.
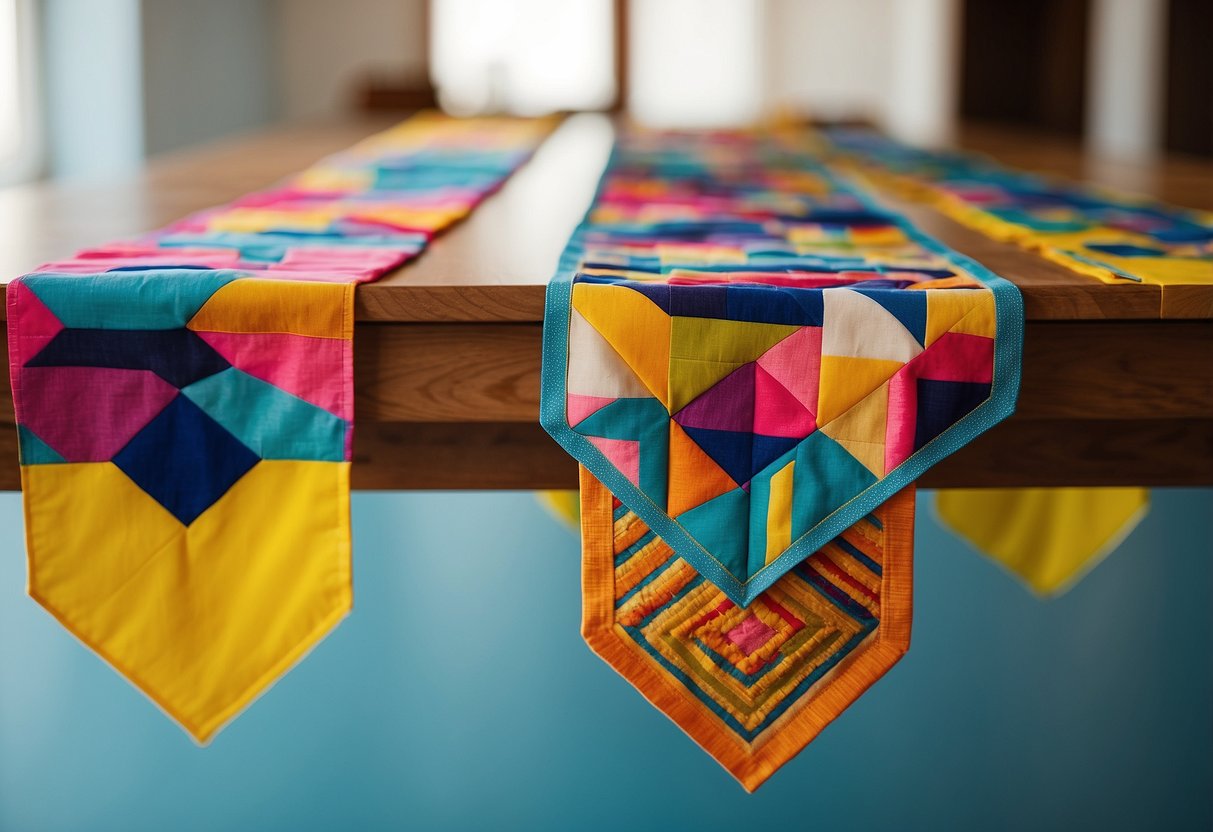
(10, 84)
(526, 57)
(696, 63)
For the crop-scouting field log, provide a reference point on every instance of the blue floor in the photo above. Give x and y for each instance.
(460, 696)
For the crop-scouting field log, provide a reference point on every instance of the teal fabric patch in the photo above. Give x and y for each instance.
(823, 471)
(714, 525)
(34, 451)
(271, 422)
(139, 299)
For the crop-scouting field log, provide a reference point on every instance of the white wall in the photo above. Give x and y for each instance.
(326, 47)
(830, 59)
(893, 62)
(697, 63)
(91, 66)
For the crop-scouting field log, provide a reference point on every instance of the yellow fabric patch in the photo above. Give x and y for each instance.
(1049, 537)
(259, 220)
(846, 381)
(295, 307)
(186, 619)
(779, 512)
(963, 311)
(861, 429)
(634, 326)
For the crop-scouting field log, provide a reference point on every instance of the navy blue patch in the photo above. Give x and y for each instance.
(178, 356)
(185, 459)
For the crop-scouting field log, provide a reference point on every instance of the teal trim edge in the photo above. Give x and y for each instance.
(1008, 350)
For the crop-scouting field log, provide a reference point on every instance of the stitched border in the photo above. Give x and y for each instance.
(1008, 348)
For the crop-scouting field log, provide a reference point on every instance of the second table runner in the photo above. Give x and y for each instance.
(185, 410)
(753, 365)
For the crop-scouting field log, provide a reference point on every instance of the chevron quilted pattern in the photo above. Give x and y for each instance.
(752, 685)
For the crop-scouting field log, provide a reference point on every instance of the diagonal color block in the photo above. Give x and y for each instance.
(176, 355)
(88, 414)
(185, 460)
(151, 299)
(270, 422)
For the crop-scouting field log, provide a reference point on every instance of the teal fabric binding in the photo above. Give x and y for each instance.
(553, 417)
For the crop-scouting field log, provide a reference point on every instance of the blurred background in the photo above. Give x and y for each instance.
(93, 87)
(474, 704)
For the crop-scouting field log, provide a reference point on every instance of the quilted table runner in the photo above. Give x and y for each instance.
(1048, 537)
(753, 364)
(1110, 237)
(185, 408)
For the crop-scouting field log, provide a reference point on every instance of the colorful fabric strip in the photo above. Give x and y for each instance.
(753, 364)
(185, 410)
(1113, 238)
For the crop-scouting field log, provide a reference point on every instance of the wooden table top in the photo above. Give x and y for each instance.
(494, 266)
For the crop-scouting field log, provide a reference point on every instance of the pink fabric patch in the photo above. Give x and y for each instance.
(38, 325)
(750, 634)
(581, 408)
(624, 454)
(952, 357)
(795, 362)
(777, 412)
(307, 367)
(88, 414)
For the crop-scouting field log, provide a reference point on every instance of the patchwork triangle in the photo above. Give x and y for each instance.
(637, 329)
(695, 477)
(795, 362)
(909, 308)
(624, 454)
(778, 411)
(595, 369)
(861, 430)
(727, 405)
(845, 381)
(859, 327)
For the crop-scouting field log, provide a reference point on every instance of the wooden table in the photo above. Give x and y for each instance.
(1117, 384)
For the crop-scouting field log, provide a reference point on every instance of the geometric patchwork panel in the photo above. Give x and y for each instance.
(185, 407)
(752, 685)
(754, 361)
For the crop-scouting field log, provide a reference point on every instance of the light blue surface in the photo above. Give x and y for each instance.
(459, 696)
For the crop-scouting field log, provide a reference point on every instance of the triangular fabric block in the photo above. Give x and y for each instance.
(959, 310)
(778, 412)
(845, 382)
(909, 308)
(861, 430)
(624, 454)
(727, 405)
(599, 370)
(1048, 537)
(857, 326)
(695, 477)
(634, 326)
(795, 362)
